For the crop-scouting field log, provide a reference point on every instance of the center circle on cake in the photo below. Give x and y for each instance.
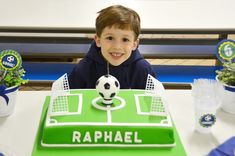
(115, 106)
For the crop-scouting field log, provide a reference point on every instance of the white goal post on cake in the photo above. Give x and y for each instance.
(157, 91)
(59, 100)
(59, 96)
(153, 86)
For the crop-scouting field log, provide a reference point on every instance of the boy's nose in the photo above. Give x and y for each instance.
(117, 44)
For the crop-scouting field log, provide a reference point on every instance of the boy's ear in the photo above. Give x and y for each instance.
(135, 44)
(97, 40)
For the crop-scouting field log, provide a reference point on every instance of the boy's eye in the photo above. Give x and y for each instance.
(125, 39)
(109, 38)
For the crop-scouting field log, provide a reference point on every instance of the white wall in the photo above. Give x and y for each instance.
(155, 14)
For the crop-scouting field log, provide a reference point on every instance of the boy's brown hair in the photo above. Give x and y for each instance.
(120, 17)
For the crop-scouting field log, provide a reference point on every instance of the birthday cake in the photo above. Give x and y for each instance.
(78, 118)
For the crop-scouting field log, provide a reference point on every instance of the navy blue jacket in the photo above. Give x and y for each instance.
(131, 74)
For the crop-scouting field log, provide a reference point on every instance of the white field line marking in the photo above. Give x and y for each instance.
(109, 115)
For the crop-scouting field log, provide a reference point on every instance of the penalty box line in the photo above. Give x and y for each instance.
(109, 115)
(109, 109)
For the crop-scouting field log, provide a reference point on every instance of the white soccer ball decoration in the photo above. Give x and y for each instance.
(10, 59)
(107, 86)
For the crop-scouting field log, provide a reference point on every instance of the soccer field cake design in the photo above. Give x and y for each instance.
(79, 118)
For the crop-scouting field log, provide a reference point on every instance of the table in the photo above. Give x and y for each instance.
(18, 131)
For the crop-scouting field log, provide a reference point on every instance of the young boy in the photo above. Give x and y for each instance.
(114, 51)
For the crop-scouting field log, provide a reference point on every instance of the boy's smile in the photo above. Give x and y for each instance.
(116, 44)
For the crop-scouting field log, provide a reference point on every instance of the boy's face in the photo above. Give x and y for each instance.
(116, 44)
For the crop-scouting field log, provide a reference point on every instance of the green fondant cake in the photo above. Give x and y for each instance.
(79, 119)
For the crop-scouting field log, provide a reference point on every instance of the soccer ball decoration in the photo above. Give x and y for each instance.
(107, 86)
